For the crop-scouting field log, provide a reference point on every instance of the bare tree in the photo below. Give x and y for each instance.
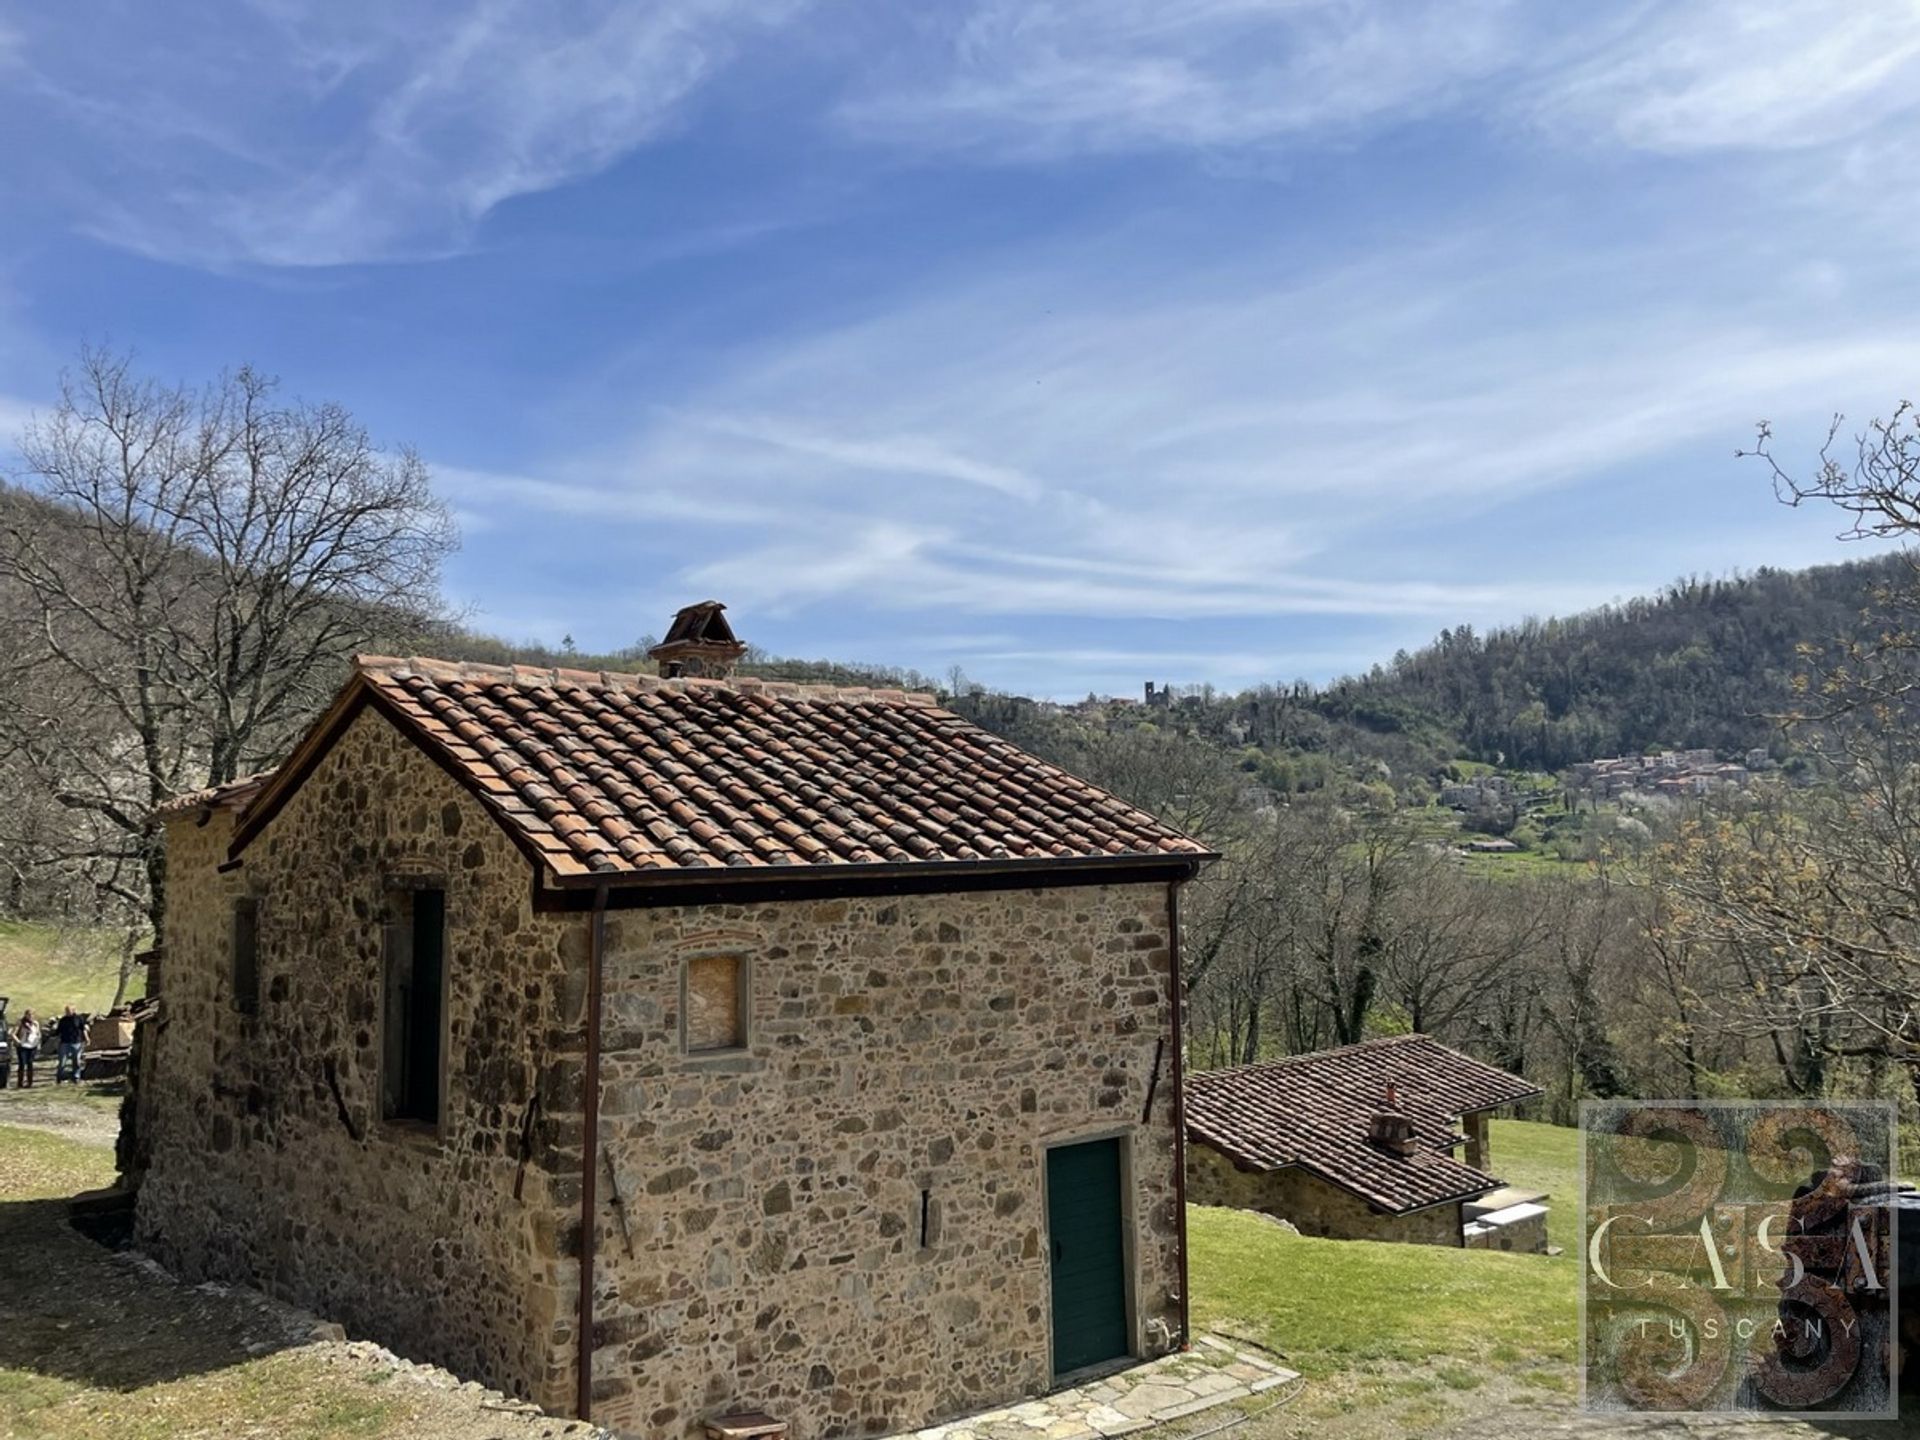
(1452, 933)
(1817, 903)
(1184, 781)
(192, 569)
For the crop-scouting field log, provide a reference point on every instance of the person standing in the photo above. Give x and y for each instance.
(71, 1033)
(26, 1047)
(6, 1046)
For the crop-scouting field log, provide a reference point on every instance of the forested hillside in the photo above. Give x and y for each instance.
(1703, 663)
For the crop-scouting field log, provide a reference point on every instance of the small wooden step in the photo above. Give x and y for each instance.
(746, 1425)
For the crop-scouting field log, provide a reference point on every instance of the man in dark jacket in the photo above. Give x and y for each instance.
(71, 1031)
(6, 1045)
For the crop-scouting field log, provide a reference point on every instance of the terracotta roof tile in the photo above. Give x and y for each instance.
(232, 795)
(620, 774)
(1312, 1110)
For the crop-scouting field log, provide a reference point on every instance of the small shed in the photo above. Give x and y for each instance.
(1359, 1143)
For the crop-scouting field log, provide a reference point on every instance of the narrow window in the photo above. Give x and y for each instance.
(715, 1003)
(410, 1038)
(246, 955)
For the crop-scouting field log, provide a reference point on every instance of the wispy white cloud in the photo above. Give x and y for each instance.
(289, 133)
(1734, 74)
(899, 456)
(1044, 79)
(323, 134)
(1259, 442)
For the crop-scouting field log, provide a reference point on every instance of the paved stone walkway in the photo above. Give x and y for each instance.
(1173, 1387)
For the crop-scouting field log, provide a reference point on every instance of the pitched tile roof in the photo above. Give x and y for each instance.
(625, 775)
(1312, 1111)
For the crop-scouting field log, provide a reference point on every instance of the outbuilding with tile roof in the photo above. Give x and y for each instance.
(668, 1046)
(1358, 1142)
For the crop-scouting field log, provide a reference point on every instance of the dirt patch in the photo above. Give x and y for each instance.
(89, 1114)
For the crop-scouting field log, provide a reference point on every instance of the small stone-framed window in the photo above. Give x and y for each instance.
(246, 954)
(713, 1004)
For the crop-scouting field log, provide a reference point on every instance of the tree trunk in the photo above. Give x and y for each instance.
(127, 943)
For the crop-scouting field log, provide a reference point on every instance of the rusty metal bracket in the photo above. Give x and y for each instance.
(1153, 1080)
(529, 1118)
(340, 1100)
(619, 1202)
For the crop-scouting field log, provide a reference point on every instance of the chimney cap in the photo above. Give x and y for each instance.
(699, 642)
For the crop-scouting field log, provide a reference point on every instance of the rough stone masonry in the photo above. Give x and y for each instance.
(840, 1221)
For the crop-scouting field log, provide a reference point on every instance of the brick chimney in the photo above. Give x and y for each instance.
(1389, 1129)
(699, 642)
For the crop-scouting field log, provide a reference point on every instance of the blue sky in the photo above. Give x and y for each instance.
(1075, 342)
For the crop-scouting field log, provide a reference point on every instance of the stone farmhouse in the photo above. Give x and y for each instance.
(1358, 1143)
(668, 1048)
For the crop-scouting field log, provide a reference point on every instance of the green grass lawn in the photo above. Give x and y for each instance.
(1327, 1304)
(43, 968)
(1399, 1334)
(1543, 1157)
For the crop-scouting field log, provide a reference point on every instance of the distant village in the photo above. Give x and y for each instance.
(1104, 708)
(1156, 697)
(1494, 802)
(1674, 773)
(1671, 772)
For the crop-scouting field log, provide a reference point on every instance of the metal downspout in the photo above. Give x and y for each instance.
(590, 1149)
(1179, 1102)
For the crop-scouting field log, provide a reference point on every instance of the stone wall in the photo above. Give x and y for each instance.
(763, 1248)
(1310, 1204)
(760, 1229)
(270, 1164)
(1525, 1237)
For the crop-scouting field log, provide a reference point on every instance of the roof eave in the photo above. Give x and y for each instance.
(1533, 1094)
(1263, 1167)
(1462, 1198)
(721, 876)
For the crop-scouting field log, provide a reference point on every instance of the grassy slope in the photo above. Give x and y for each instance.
(1397, 1332)
(44, 968)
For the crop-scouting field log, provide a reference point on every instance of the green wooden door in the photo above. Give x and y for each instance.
(1089, 1255)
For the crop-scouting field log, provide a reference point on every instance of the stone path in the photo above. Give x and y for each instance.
(1213, 1373)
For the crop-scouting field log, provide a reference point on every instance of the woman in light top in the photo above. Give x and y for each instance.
(26, 1046)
